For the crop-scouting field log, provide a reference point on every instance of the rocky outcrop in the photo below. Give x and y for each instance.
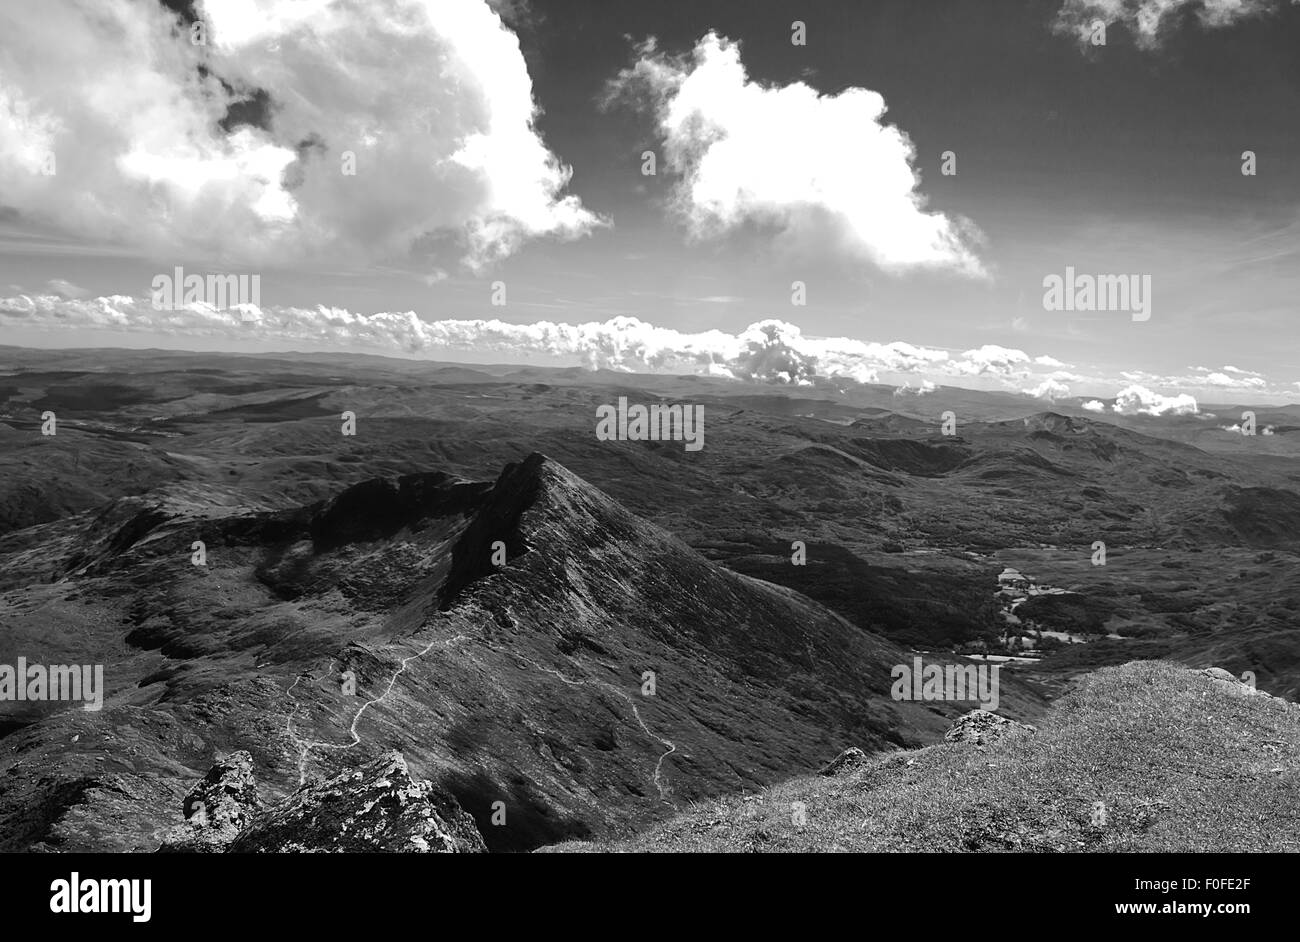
(1236, 686)
(217, 808)
(848, 760)
(980, 728)
(515, 491)
(377, 807)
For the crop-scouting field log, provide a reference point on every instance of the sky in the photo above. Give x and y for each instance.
(498, 207)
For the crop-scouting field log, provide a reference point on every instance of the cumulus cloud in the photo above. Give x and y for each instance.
(1050, 389)
(992, 358)
(432, 97)
(1138, 400)
(923, 388)
(770, 351)
(1149, 20)
(825, 171)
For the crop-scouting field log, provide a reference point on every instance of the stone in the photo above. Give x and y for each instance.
(980, 728)
(847, 761)
(217, 808)
(376, 807)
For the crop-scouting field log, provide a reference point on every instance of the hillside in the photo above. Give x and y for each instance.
(1201, 545)
(594, 679)
(1147, 757)
(366, 563)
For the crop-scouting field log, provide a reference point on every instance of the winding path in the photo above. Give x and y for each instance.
(305, 747)
(636, 712)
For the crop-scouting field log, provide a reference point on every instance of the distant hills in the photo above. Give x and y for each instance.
(433, 585)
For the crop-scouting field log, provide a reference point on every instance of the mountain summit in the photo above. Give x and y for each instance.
(560, 666)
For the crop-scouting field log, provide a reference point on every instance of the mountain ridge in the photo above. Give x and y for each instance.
(456, 661)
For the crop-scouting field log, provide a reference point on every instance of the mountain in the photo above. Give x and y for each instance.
(344, 568)
(526, 641)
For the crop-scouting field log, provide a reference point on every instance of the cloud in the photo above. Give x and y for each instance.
(1094, 405)
(1138, 400)
(770, 351)
(992, 358)
(923, 388)
(770, 354)
(1239, 379)
(1207, 381)
(1149, 20)
(1050, 389)
(1048, 361)
(433, 98)
(767, 351)
(824, 171)
(1221, 379)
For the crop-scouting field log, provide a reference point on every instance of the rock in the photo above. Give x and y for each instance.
(848, 760)
(377, 807)
(1231, 684)
(217, 808)
(980, 728)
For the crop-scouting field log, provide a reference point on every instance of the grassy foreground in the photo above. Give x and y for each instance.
(1148, 757)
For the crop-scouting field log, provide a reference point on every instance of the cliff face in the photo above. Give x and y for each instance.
(549, 662)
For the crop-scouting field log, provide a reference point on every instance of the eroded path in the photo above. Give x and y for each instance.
(636, 713)
(305, 747)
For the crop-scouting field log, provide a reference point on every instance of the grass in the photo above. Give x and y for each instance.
(1179, 762)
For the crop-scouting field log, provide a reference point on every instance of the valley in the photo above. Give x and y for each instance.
(352, 600)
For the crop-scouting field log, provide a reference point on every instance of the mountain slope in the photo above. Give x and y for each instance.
(1147, 757)
(321, 636)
